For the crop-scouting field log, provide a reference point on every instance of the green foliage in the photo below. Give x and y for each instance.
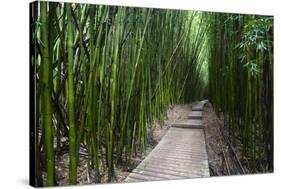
(241, 83)
(115, 71)
(108, 74)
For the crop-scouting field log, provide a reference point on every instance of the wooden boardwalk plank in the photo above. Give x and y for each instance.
(163, 170)
(179, 170)
(199, 106)
(195, 115)
(146, 177)
(180, 154)
(161, 174)
(190, 123)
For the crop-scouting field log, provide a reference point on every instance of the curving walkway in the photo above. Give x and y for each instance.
(180, 154)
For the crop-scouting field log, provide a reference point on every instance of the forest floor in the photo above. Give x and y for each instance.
(221, 155)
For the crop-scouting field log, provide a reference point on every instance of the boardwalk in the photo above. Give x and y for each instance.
(180, 154)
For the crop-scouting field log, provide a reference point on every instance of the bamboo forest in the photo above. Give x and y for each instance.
(109, 81)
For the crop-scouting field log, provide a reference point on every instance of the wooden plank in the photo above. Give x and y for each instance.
(164, 171)
(190, 123)
(196, 152)
(195, 115)
(199, 106)
(180, 157)
(145, 177)
(179, 125)
(192, 167)
(191, 172)
(183, 153)
(157, 174)
(187, 163)
(160, 153)
(176, 169)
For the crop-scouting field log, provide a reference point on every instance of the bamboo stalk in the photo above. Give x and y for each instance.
(71, 100)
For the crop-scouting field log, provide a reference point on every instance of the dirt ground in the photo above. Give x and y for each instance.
(223, 158)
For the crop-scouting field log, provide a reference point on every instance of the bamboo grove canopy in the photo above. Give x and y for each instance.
(105, 74)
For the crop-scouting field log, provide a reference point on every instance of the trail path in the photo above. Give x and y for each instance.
(180, 154)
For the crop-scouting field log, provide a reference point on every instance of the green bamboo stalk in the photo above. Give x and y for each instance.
(46, 96)
(123, 124)
(71, 100)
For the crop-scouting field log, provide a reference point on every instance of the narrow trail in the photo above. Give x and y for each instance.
(180, 154)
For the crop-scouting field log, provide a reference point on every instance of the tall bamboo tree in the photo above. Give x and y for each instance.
(71, 99)
(45, 75)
